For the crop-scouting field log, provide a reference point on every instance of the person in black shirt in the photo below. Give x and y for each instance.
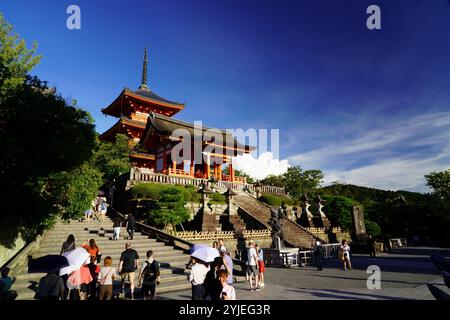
(127, 266)
(51, 287)
(212, 284)
(371, 246)
(131, 222)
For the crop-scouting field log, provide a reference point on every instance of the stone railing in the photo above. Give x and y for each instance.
(137, 176)
(316, 230)
(206, 235)
(336, 230)
(215, 235)
(253, 234)
(20, 260)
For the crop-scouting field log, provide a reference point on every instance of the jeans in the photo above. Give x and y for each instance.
(116, 233)
(197, 292)
(130, 231)
(318, 259)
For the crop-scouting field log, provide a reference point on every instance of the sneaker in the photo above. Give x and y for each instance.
(261, 284)
(121, 295)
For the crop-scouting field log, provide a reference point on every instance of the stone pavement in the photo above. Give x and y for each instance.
(404, 275)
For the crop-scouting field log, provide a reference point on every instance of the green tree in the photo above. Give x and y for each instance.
(440, 183)
(171, 211)
(44, 142)
(15, 59)
(38, 138)
(273, 180)
(297, 181)
(339, 210)
(112, 159)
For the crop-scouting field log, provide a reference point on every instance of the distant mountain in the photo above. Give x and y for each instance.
(364, 194)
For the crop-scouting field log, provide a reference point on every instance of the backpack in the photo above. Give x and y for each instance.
(151, 271)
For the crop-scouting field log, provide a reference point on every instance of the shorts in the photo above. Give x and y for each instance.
(261, 266)
(252, 270)
(129, 274)
(148, 289)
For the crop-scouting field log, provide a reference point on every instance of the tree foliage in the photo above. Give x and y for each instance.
(16, 60)
(170, 211)
(112, 159)
(440, 183)
(46, 145)
(296, 181)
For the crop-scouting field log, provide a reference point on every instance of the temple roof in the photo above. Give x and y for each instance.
(148, 94)
(110, 134)
(165, 126)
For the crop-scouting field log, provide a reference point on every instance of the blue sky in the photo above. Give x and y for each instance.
(370, 107)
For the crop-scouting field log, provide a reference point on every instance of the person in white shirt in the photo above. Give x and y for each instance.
(228, 292)
(196, 277)
(252, 265)
(345, 253)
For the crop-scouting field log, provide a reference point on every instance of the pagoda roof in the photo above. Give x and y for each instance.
(110, 134)
(145, 96)
(164, 126)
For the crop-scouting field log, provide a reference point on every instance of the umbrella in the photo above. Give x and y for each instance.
(76, 259)
(78, 277)
(48, 263)
(196, 247)
(206, 254)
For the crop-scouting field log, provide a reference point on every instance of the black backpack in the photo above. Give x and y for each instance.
(151, 271)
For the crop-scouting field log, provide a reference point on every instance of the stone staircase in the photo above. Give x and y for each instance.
(238, 224)
(210, 222)
(172, 261)
(295, 235)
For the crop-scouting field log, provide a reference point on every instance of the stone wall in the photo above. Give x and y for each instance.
(7, 253)
(194, 208)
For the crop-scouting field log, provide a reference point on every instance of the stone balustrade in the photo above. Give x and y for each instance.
(316, 230)
(216, 235)
(254, 234)
(204, 235)
(138, 176)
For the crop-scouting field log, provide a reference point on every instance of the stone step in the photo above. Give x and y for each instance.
(110, 243)
(27, 294)
(85, 237)
(32, 283)
(115, 255)
(24, 276)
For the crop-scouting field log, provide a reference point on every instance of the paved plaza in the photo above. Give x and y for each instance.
(404, 275)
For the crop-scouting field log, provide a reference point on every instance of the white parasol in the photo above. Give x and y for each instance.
(76, 259)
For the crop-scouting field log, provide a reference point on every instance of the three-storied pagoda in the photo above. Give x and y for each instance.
(146, 119)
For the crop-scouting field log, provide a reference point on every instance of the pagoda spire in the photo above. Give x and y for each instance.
(144, 85)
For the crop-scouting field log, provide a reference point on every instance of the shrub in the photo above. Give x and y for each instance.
(217, 198)
(276, 201)
(148, 191)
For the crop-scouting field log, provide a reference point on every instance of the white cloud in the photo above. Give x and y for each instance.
(261, 167)
(395, 156)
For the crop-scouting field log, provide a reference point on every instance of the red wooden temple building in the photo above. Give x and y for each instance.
(146, 119)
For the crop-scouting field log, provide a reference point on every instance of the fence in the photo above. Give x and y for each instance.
(137, 176)
(301, 258)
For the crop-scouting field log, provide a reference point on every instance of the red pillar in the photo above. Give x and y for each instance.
(231, 169)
